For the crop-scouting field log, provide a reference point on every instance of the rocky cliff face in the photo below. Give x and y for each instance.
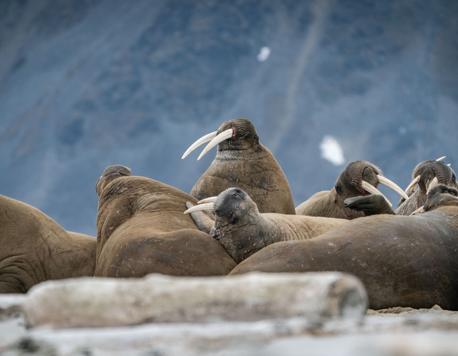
(84, 84)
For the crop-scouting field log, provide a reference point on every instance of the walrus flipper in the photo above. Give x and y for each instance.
(202, 220)
(369, 204)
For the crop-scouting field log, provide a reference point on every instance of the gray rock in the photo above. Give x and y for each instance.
(156, 298)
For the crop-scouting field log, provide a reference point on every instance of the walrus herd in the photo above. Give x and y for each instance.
(240, 217)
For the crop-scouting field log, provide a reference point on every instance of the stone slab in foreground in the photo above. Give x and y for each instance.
(98, 302)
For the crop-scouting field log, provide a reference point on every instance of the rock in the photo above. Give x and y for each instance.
(99, 302)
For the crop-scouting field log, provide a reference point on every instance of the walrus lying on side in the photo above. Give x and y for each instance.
(358, 178)
(243, 230)
(242, 161)
(141, 229)
(402, 260)
(34, 248)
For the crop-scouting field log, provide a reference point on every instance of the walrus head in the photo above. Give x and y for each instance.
(362, 178)
(425, 176)
(238, 134)
(441, 195)
(109, 174)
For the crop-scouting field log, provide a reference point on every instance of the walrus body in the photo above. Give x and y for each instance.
(242, 161)
(358, 178)
(243, 230)
(141, 229)
(34, 248)
(402, 260)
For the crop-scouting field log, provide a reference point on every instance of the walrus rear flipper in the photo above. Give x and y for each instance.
(203, 222)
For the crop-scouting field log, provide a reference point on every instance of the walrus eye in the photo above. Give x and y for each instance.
(339, 189)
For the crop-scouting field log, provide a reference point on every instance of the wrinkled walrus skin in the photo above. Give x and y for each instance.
(409, 261)
(34, 248)
(141, 229)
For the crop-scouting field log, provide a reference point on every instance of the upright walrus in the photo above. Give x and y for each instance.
(141, 229)
(406, 261)
(243, 230)
(242, 161)
(358, 178)
(425, 175)
(34, 248)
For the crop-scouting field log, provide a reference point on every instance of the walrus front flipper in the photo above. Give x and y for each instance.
(369, 204)
(201, 219)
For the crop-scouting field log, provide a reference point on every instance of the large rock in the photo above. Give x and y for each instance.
(156, 298)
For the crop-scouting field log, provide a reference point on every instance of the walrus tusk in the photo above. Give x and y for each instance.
(390, 184)
(199, 142)
(432, 184)
(371, 189)
(207, 206)
(223, 136)
(421, 209)
(208, 200)
(412, 183)
(441, 158)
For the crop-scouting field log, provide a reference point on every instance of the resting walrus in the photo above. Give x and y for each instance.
(242, 161)
(141, 229)
(402, 260)
(358, 178)
(243, 230)
(425, 175)
(34, 248)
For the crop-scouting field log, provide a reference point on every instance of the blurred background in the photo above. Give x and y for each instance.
(88, 83)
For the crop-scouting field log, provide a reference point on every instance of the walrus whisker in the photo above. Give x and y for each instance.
(441, 158)
(371, 189)
(223, 136)
(421, 209)
(199, 207)
(208, 200)
(412, 183)
(199, 142)
(390, 184)
(432, 184)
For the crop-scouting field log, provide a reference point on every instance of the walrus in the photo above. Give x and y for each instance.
(358, 178)
(425, 175)
(406, 261)
(242, 161)
(141, 229)
(243, 230)
(34, 248)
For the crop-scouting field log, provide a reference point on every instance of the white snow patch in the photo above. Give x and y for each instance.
(332, 151)
(263, 54)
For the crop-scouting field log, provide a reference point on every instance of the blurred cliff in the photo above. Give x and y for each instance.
(84, 84)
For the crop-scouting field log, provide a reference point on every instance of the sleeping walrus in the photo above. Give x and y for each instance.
(402, 260)
(34, 248)
(242, 161)
(243, 230)
(141, 229)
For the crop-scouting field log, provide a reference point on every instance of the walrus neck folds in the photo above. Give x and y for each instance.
(241, 152)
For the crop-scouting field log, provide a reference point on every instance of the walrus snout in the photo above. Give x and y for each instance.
(230, 204)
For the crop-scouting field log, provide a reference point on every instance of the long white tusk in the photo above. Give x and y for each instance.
(208, 200)
(412, 183)
(449, 164)
(421, 209)
(390, 184)
(432, 184)
(441, 158)
(207, 206)
(199, 142)
(223, 136)
(371, 189)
